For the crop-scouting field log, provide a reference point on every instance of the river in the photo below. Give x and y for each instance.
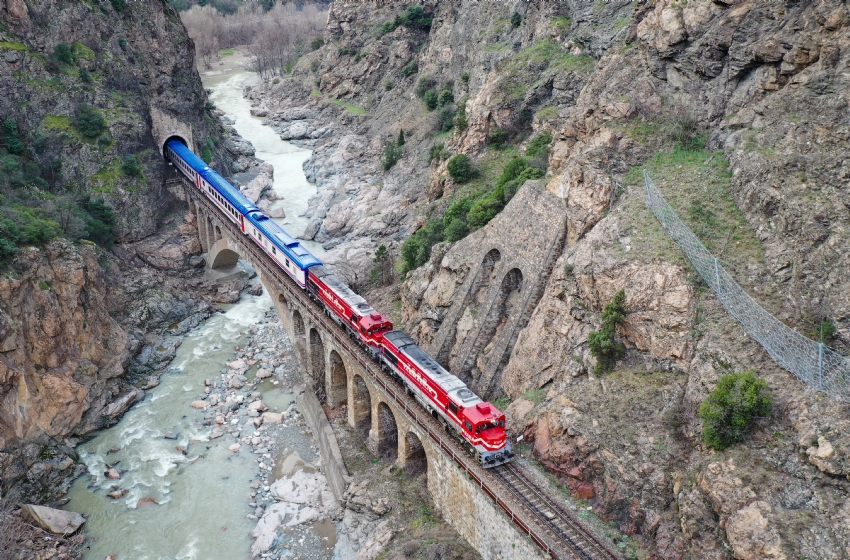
(160, 447)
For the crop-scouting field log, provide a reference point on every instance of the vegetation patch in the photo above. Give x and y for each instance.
(350, 107)
(413, 17)
(13, 46)
(603, 343)
(730, 411)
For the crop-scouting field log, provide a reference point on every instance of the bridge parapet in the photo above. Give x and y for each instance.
(470, 498)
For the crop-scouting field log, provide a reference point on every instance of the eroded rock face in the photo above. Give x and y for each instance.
(63, 351)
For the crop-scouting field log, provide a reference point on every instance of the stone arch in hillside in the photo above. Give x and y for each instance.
(504, 305)
(317, 365)
(338, 393)
(474, 297)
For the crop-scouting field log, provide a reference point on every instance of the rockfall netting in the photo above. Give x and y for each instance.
(813, 362)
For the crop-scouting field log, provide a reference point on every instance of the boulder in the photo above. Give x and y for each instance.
(257, 406)
(112, 474)
(200, 405)
(272, 417)
(237, 364)
(216, 433)
(118, 494)
(56, 521)
(264, 373)
(146, 501)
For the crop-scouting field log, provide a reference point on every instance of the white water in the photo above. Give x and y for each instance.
(287, 159)
(201, 495)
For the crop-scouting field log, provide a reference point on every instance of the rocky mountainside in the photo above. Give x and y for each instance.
(84, 328)
(739, 112)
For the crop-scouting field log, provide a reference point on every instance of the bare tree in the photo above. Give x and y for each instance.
(275, 38)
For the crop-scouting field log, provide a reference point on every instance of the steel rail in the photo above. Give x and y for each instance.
(461, 458)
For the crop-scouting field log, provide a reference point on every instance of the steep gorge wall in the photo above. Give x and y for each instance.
(740, 112)
(75, 318)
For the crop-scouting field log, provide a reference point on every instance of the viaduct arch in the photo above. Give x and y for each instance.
(395, 427)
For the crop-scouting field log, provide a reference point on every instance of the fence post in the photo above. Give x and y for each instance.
(717, 275)
(820, 366)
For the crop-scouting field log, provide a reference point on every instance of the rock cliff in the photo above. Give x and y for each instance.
(76, 319)
(738, 110)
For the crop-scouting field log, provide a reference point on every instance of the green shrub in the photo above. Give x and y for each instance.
(510, 188)
(409, 69)
(317, 43)
(446, 119)
(512, 171)
(486, 208)
(7, 251)
(438, 151)
(539, 146)
(516, 19)
(457, 209)
(392, 153)
(130, 166)
(461, 121)
(388, 85)
(85, 76)
(400, 140)
(413, 17)
(445, 97)
(35, 227)
(464, 77)
(122, 42)
(529, 174)
(63, 53)
(497, 138)
(119, 5)
(603, 343)
(460, 168)
(423, 86)
(89, 122)
(100, 227)
(416, 249)
(347, 51)
(730, 411)
(382, 273)
(179, 5)
(206, 152)
(10, 137)
(457, 230)
(431, 99)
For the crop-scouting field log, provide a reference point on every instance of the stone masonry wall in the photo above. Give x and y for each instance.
(474, 515)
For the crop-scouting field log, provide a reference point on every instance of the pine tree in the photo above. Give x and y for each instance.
(400, 142)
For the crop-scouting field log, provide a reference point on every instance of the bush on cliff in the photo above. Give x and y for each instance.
(89, 122)
(460, 168)
(603, 343)
(416, 249)
(730, 411)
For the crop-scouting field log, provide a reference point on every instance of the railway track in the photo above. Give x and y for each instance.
(578, 540)
(559, 535)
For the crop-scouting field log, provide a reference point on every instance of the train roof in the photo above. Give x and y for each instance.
(228, 191)
(454, 387)
(282, 240)
(187, 155)
(341, 289)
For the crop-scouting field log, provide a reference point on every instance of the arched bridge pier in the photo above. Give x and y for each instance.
(396, 427)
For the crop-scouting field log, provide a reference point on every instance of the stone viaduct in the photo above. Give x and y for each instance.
(395, 426)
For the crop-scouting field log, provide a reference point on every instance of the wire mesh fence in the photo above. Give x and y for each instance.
(813, 362)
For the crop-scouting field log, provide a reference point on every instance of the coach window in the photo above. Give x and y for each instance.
(452, 407)
(274, 250)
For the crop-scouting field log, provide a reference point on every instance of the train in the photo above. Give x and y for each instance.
(445, 397)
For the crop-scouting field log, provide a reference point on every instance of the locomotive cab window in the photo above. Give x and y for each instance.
(468, 425)
(452, 407)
